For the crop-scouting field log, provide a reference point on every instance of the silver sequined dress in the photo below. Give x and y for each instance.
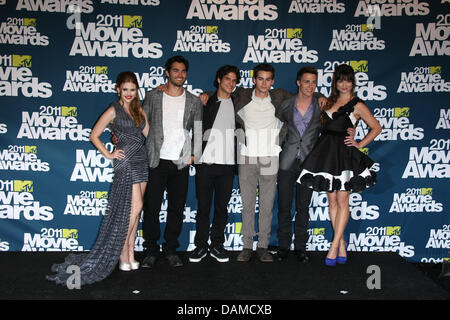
(103, 257)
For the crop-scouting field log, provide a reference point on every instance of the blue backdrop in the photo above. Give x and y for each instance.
(59, 60)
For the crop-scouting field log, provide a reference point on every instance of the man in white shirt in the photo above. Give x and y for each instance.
(258, 114)
(216, 169)
(171, 115)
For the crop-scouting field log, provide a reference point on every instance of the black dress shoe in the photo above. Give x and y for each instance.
(149, 261)
(302, 256)
(174, 260)
(282, 255)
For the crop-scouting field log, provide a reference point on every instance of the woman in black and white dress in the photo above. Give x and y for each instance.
(336, 165)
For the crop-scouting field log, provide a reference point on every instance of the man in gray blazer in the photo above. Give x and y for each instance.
(171, 115)
(302, 115)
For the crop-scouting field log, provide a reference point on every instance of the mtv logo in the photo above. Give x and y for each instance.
(427, 191)
(401, 112)
(393, 231)
(319, 231)
(365, 151)
(31, 149)
(101, 194)
(237, 227)
(367, 27)
(294, 33)
(70, 233)
(360, 66)
(69, 111)
(212, 29)
(436, 69)
(29, 22)
(23, 185)
(132, 21)
(21, 61)
(101, 69)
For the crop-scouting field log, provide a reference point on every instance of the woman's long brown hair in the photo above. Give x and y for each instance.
(342, 72)
(135, 105)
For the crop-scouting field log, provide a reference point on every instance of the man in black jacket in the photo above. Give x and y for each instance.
(216, 168)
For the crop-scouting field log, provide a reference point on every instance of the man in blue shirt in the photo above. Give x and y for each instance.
(302, 115)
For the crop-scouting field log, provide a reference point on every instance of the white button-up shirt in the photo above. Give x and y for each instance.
(261, 128)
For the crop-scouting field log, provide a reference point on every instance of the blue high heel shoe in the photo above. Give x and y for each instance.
(330, 262)
(340, 260)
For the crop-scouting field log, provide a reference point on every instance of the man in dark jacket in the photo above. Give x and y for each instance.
(215, 169)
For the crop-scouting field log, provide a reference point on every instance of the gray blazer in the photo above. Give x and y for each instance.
(293, 141)
(153, 108)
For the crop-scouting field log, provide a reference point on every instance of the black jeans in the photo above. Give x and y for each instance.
(286, 186)
(219, 179)
(165, 176)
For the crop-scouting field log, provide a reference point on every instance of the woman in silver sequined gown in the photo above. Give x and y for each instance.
(117, 234)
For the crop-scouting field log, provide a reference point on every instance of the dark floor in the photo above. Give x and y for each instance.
(436, 272)
(22, 277)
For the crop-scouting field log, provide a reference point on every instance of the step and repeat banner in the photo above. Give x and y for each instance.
(59, 60)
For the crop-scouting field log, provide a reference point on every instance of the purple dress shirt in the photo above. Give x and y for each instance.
(301, 122)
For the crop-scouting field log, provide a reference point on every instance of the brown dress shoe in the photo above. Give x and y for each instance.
(245, 255)
(264, 255)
